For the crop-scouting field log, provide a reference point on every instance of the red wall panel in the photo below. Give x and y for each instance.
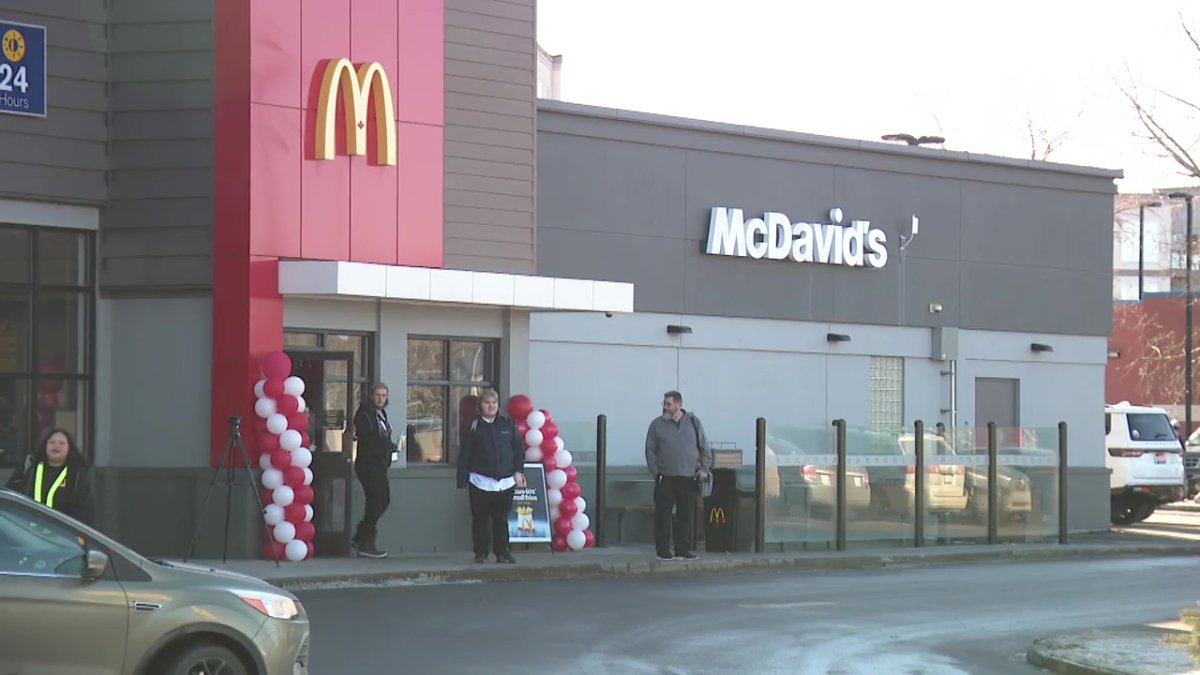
(419, 197)
(274, 48)
(421, 62)
(276, 156)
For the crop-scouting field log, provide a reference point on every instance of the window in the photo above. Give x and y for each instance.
(33, 544)
(887, 393)
(335, 378)
(445, 375)
(47, 310)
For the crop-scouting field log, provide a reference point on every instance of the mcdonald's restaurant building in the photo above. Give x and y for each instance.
(374, 187)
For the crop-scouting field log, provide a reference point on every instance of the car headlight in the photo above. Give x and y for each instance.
(271, 604)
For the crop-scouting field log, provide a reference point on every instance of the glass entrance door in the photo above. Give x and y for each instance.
(329, 392)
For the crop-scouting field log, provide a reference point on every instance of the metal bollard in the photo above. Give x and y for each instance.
(1062, 482)
(601, 475)
(760, 484)
(919, 485)
(992, 501)
(840, 518)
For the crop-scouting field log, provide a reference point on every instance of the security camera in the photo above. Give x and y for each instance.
(608, 314)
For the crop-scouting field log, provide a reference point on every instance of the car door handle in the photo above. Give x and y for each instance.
(145, 606)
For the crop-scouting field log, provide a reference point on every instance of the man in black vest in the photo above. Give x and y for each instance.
(489, 465)
(375, 447)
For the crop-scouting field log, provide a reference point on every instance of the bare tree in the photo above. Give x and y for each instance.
(1042, 143)
(1176, 143)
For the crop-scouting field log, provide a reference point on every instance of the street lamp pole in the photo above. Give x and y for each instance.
(1187, 337)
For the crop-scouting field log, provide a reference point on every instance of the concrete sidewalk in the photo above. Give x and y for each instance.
(1133, 650)
(639, 561)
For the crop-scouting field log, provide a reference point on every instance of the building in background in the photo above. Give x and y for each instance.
(549, 75)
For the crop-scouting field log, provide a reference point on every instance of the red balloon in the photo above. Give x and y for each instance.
(273, 549)
(260, 426)
(562, 526)
(590, 539)
(571, 491)
(297, 421)
(549, 463)
(550, 430)
(305, 441)
(267, 497)
(293, 477)
(311, 550)
(49, 386)
(522, 428)
(281, 459)
(304, 495)
(48, 401)
(268, 442)
(305, 531)
(546, 413)
(558, 544)
(572, 474)
(294, 513)
(287, 404)
(273, 388)
(276, 366)
(568, 507)
(549, 447)
(519, 407)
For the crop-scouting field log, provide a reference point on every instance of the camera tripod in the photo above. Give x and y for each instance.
(228, 462)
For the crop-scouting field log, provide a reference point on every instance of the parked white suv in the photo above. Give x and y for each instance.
(1144, 455)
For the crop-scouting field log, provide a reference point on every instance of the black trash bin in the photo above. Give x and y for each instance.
(729, 512)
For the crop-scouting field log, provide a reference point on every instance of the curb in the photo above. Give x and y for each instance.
(711, 566)
(1041, 658)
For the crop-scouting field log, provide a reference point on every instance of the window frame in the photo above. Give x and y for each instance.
(85, 375)
(446, 384)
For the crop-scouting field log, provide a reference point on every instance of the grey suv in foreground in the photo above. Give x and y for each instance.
(75, 601)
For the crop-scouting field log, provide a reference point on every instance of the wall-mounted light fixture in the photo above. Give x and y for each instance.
(1114, 353)
(1039, 347)
(935, 307)
(676, 329)
(837, 337)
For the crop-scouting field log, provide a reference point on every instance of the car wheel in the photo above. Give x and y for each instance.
(206, 658)
(1143, 512)
(1122, 513)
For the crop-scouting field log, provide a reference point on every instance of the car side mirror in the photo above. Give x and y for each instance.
(95, 565)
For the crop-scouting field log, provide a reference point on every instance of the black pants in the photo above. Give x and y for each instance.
(489, 519)
(678, 493)
(375, 486)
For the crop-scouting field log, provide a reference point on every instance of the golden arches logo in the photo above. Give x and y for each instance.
(358, 88)
(717, 516)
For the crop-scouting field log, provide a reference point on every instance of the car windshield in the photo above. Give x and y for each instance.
(1150, 427)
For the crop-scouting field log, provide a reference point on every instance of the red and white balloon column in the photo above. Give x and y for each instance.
(282, 428)
(568, 518)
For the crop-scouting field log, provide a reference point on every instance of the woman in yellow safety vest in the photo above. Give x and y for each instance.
(56, 475)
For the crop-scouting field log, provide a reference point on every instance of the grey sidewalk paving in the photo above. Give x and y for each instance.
(1133, 650)
(639, 561)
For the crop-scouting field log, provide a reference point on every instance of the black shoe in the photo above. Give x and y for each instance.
(367, 549)
(480, 559)
(686, 556)
(665, 558)
(506, 559)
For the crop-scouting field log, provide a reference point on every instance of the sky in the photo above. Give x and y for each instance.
(975, 73)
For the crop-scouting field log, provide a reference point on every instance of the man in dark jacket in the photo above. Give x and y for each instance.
(489, 465)
(375, 447)
(56, 475)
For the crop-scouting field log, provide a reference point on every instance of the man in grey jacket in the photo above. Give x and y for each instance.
(678, 456)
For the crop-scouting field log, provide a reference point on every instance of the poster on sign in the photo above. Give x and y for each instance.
(529, 520)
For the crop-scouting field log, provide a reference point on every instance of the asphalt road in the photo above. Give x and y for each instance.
(960, 619)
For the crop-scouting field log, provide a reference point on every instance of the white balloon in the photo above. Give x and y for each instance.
(563, 458)
(559, 444)
(554, 514)
(308, 513)
(295, 550)
(533, 438)
(308, 476)
(264, 461)
(284, 532)
(581, 504)
(258, 389)
(535, 419)
(303, 405)
(301, 457)
(276, 423)
(265, 407)
(283, 495)
(576, 540)
(580, 521)
(556, 479)
(554, 497)
(290, 439)
(533, 454)
(294, 386)
(273, 513)
(272, 478)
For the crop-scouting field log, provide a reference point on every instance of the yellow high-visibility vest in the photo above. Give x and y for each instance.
(37, 485)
